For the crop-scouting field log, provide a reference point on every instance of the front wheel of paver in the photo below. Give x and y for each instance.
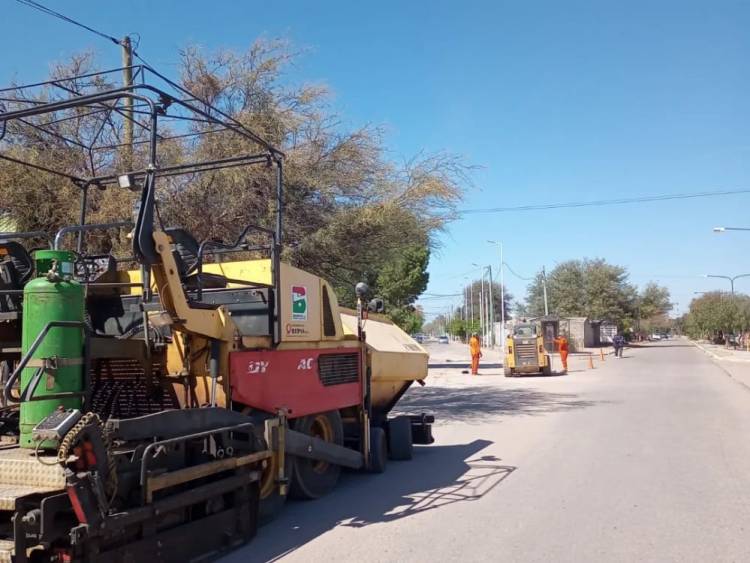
(400, 443)
(311, 479)
(378, 450)
(508, 372)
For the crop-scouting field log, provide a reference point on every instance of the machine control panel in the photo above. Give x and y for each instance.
(55, 425)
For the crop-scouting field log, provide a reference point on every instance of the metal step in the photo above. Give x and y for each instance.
(6, 551)
(10, 493)
(21, 467)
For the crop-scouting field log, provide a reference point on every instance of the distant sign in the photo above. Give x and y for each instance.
(299, 303)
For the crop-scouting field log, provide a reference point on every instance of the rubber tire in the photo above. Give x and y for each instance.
(547, 370)
(308, 480)
(400, 442)
(508, 372)
(378, 450)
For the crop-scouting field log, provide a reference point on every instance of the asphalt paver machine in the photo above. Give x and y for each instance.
(167, 402)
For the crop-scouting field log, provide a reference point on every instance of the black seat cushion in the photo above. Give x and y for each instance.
(15, 254)
(185, 250)
(207, 281)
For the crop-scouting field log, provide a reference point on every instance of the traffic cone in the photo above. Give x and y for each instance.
(591, 361)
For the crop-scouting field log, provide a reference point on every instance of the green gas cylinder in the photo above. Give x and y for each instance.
(52, 296)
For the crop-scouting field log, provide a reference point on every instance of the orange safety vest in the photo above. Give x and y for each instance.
(474, 346)
(562, 344)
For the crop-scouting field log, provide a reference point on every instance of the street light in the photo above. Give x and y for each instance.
(487, 309)
(724, 229)
(502, 292)
(482, 313)
(730, 278)
(470, 289)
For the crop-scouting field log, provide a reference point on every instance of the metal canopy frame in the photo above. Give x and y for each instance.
(156, 112)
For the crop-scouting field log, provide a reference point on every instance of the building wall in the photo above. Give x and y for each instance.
(606, 332)
(576, 333)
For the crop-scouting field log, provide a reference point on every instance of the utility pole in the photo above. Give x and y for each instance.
(464, 313)
(481, 310)
(127, 79)
(502, 291)
(544, 286)
(502, 299)
(471, 298)
(450, 322)
(492, 310)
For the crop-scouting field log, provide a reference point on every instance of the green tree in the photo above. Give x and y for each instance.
(410, 320)
(652, 307)
(472, 294)
(400, 281)
(584, 288)
(350, 211)
(716, 312)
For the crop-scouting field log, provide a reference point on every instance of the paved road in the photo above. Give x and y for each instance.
(646, 458)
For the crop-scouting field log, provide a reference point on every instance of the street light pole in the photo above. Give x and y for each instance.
(481, 309)
(502, 291)
(491, 310)
(723, 229)
(471, 299)
(482, 306)
(730, 278)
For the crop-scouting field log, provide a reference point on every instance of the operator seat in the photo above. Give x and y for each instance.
(16, 268)
(185, 253)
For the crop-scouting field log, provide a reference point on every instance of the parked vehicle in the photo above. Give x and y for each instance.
(443, 339)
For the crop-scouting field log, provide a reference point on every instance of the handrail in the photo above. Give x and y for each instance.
(9, 398)
(178, 439)
(234, 247)
(25, 235)
(85, 228)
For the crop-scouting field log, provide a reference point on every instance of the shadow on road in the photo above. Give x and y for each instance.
(482, 365)
(659, 345)
(465, 404)
(438, 476)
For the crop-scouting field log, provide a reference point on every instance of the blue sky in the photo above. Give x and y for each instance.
(554, 101)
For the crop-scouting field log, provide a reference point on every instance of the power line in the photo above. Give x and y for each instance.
(515, 274)
(50, 12)
(454, 276)
(601, 202)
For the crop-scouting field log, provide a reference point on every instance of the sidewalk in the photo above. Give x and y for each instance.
(719, 352)
(736, 363)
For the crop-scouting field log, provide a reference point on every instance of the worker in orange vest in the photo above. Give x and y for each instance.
(476, 352)
(562, 345)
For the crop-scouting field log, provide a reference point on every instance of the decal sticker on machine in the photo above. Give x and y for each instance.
(257, 366)
(296, 330)
(299, 303)
(305, 363)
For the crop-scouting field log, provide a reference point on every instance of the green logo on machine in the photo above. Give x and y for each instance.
(299, 303)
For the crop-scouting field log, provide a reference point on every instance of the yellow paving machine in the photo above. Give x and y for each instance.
(160, 412)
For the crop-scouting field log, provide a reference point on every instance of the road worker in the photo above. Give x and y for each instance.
(619, 343)
(475, 348)
(562, 345)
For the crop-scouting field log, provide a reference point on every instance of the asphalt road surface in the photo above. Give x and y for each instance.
(645, 458)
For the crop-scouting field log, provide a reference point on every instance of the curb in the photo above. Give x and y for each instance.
(717, 357)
